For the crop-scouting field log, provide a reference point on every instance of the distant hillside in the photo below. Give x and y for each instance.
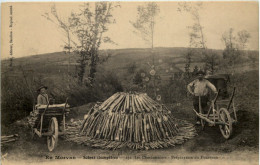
(124, 70)
(166, 60)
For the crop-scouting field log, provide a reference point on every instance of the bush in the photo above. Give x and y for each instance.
(19, 93)
(17, 101)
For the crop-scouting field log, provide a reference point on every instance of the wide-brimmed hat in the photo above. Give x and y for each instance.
(41, 88)
(200, 72)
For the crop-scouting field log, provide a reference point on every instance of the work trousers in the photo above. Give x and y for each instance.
(204, 101)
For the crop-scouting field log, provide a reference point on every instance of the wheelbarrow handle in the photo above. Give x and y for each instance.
(216, 97)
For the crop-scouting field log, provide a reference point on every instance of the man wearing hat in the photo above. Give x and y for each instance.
(42, 98)
(201, 88)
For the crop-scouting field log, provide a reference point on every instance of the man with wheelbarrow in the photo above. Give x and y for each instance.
(199, 89)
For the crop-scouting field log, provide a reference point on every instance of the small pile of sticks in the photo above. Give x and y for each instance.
(9, 138)
(131, 120)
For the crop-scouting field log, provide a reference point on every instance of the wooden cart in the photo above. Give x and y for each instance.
(50, 122)
(221, 111)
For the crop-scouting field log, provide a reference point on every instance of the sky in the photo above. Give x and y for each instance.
(33, 34)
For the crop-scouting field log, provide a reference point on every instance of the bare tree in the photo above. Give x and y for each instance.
(243, 38)
(211, 60)
(197, 37)
(54, 17)
(144, 27)
(87, 28)
(89, 25)
(229, 39)
(231, 53)
(145, 22)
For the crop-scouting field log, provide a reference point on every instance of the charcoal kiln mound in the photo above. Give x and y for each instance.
(132, 120)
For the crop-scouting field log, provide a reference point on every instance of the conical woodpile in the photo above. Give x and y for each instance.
(132, 120)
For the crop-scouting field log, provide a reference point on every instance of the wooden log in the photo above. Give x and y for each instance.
(133, 104)
(130, 104)
(115, 96)
(100, 125)
(92, 128)
(151, 128)
(156, 127)
(117, 127)
(142, 128)
(111, 135)
(127, 102)
(125, 105)
(103, 125)
(121, 127)
(110, 126)
(115, 103)
(150, 103)
(106, 128)
(7, 141)
(142, 109)
(9, 136)
(145, 128)
(108, 101)
(124, 129)
(132, 127)
(146, 105)
(143, 104)
(121, 105)
(138, 108)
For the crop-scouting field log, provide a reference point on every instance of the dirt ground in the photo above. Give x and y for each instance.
(208, 147)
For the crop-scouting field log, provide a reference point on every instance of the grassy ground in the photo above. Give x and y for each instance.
(244, 141)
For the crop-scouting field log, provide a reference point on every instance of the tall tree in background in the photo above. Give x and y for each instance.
(64, 25)
(145, 22)
(243, 38)
(234, 46)
(87, 27)
(196, 35)
(211, 60)
(197, 38)
(144, 27)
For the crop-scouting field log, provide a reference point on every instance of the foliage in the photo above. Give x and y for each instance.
(132, 68)
(212, 61)
(196, 35)
(85, 31)
(234, 46)
(144, 24)
(197, 38)
(243, 37)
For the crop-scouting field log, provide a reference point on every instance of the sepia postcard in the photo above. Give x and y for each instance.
(130, 82)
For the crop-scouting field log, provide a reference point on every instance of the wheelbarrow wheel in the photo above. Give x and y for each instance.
(52, 140)
(225, 129)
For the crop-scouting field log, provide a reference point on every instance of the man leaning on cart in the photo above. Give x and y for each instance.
(200, 89)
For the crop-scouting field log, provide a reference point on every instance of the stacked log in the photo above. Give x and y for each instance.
(132, 120)
(8, 139)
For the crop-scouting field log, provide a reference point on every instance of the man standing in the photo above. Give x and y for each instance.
(200, 89)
